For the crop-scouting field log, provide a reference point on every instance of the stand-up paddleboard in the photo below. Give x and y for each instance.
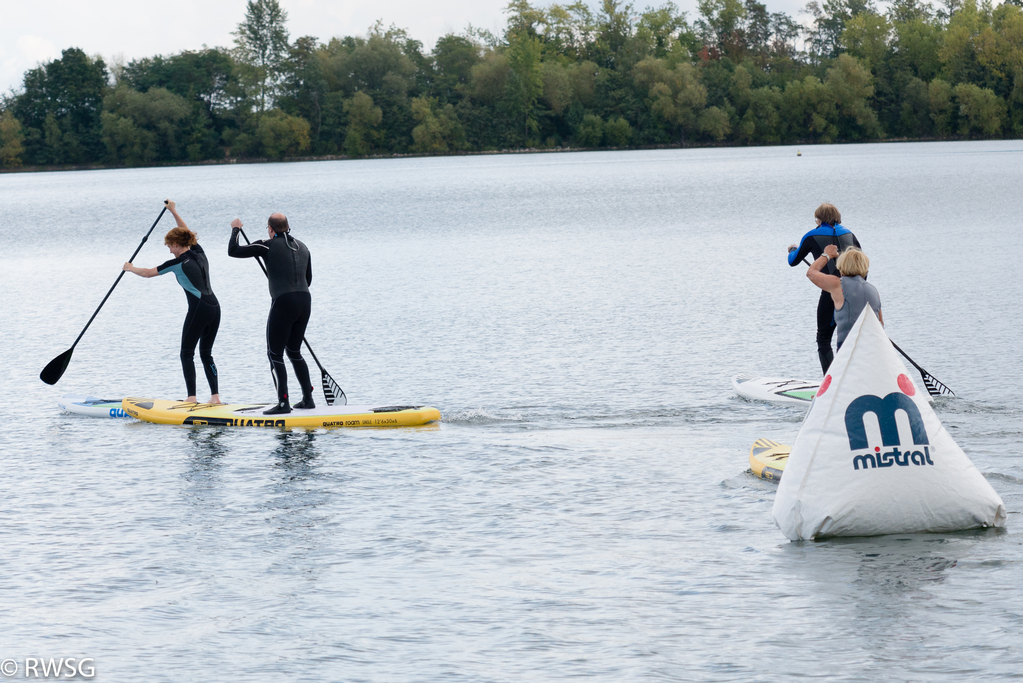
(780, 390)
(92, 406)
(768, 458)
(776, 389)
(251, 414)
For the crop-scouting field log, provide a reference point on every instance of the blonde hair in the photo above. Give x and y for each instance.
(180, 237)
(827, 213)
(853, 262)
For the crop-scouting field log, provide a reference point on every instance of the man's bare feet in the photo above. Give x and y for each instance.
(191, 399)
(215, 400)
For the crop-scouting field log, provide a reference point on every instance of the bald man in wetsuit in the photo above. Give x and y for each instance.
(290, 272)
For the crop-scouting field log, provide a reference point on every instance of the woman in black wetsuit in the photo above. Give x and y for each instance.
(202, 321)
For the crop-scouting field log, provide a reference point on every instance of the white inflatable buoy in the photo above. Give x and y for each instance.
(872, 457)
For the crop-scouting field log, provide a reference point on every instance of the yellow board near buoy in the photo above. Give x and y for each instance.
(767, 459)
(251, 414)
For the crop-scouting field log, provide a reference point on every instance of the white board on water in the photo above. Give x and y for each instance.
(776, 389)
(90, 406)
(873, 458)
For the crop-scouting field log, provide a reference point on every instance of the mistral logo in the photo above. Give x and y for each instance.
(885, 409)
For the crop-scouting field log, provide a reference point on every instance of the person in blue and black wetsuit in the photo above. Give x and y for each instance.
(289, 270)
(202, 321)
(829, 230)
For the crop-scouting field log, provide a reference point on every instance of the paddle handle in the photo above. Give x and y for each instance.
(111, 290)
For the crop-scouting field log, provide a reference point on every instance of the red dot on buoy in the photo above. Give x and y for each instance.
(824, 385)
(906, 384)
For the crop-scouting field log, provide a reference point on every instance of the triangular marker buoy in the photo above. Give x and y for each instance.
(872, 457)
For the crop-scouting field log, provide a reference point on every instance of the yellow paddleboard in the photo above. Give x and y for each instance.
(767, 458)
(251, 414)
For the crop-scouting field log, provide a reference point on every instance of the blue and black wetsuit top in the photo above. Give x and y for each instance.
(192, 271)
(820, 237)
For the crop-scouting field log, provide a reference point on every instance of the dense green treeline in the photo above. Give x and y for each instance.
(559, 76)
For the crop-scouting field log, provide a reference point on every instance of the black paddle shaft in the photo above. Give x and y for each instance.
(110, 291)
(331, 390)
(56, 367)
(931, 383)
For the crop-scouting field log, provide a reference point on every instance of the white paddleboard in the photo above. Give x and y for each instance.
(782, 390)
(90, 406)
(776, 389)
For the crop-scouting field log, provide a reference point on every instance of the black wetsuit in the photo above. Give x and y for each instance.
(814, 243)
(290, 272)
(202, 321)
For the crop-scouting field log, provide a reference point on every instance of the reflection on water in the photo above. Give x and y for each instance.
(876, 568)
(296, 452)
(208, 444)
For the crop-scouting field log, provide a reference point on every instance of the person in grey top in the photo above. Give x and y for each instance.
(850, 292)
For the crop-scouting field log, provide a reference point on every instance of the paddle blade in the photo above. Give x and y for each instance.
(56, 367)
(934, 387)
(331, 391)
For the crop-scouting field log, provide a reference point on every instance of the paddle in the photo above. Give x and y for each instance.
(56, 367)
(934, 387)
(331, 390)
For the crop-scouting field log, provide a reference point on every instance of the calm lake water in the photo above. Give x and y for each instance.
(584, 509)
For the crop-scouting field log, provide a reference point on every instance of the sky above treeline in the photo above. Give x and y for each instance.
(36, 31)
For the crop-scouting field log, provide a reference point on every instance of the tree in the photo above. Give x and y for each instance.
(439, 130)
(525, 82)
(557, 87)
(617, 132)
(915, 114)
(11, 138)
(664, 30)
(808, 108)
(980, 110)
(570, 31)
(262, 43)
(590, 131)
(363, 119)
(1000, 48)
(829, 20)
(383, 66)
(915, 44)
(279, 134)
(523, 19)
(676, 96)
(304, 85)
(489, 78)
(713, 122)
(939, 99)
(206, 76)
(958, 51)
(453, 58)
(60, 108)
(851, 87)
(144, 127)
(762, 120)
(721, 26)
(866, 37)
(614, 28)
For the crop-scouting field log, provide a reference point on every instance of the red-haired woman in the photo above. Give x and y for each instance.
(202, 321)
